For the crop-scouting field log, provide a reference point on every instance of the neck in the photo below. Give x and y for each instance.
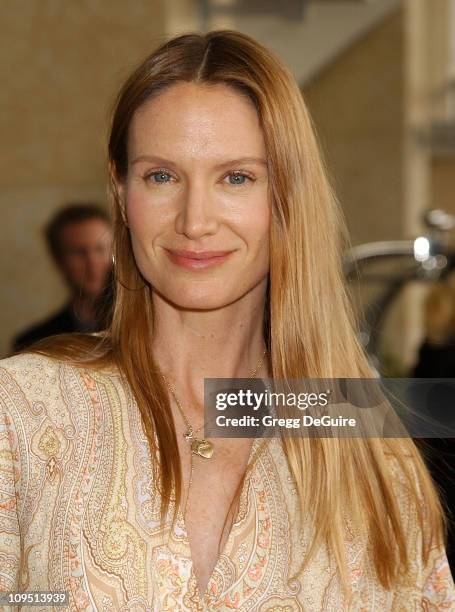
(228, 342)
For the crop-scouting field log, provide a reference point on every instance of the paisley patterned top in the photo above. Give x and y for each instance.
(79, 512)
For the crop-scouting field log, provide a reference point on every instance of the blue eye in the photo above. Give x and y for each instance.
(239, 179)
(163, 177)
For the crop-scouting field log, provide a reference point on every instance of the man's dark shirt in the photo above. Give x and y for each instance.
(63, 321)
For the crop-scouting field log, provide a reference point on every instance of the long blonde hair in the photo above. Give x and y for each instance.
(310, 326)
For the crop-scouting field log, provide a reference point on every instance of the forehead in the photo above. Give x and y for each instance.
(198, 120)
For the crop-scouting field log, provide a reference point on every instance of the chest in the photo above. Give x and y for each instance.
(212, 488)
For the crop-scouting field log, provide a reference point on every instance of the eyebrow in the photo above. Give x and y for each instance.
(224, 164)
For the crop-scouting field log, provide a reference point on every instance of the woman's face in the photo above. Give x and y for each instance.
(197, 184)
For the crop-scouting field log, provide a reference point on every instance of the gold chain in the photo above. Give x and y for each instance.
(200, 447)
(189, 435)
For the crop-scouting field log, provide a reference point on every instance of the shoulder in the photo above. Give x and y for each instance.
(29, 387)
(42, 397)
(429, 583)
(31, 382)
(26, 368)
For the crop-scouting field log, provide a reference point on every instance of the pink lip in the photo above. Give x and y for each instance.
(197, 260)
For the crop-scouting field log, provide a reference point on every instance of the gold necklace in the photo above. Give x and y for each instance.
(201, 446)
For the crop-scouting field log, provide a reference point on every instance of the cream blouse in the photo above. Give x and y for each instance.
(79, 512)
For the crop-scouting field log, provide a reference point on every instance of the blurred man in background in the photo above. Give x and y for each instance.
(79, 238)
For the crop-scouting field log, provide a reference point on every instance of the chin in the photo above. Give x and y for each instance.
(201, 303)
(210, 298)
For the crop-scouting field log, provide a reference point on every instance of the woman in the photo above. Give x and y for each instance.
(227, 252)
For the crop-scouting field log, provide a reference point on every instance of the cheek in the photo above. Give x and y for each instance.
(145, 221)
(263, 226)
(135, 206)
(145, 217)
(256, 226)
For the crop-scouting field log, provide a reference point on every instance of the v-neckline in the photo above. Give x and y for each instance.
(203, 597)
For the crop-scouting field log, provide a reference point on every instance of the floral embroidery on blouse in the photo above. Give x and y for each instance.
(79, 511)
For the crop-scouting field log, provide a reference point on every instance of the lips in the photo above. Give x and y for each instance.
(199, 254)
(196, 260)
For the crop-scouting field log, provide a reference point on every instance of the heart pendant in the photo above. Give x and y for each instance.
(203, 448)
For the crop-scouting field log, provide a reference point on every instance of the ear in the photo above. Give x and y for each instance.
(119, 191)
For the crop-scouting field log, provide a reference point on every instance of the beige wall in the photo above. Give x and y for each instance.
(62, 63)
(443, 186)
(357, 105)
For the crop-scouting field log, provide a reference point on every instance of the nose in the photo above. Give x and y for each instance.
(197, 216)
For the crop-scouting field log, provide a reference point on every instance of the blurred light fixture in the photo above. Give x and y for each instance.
(439, 219)
(421, 248)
